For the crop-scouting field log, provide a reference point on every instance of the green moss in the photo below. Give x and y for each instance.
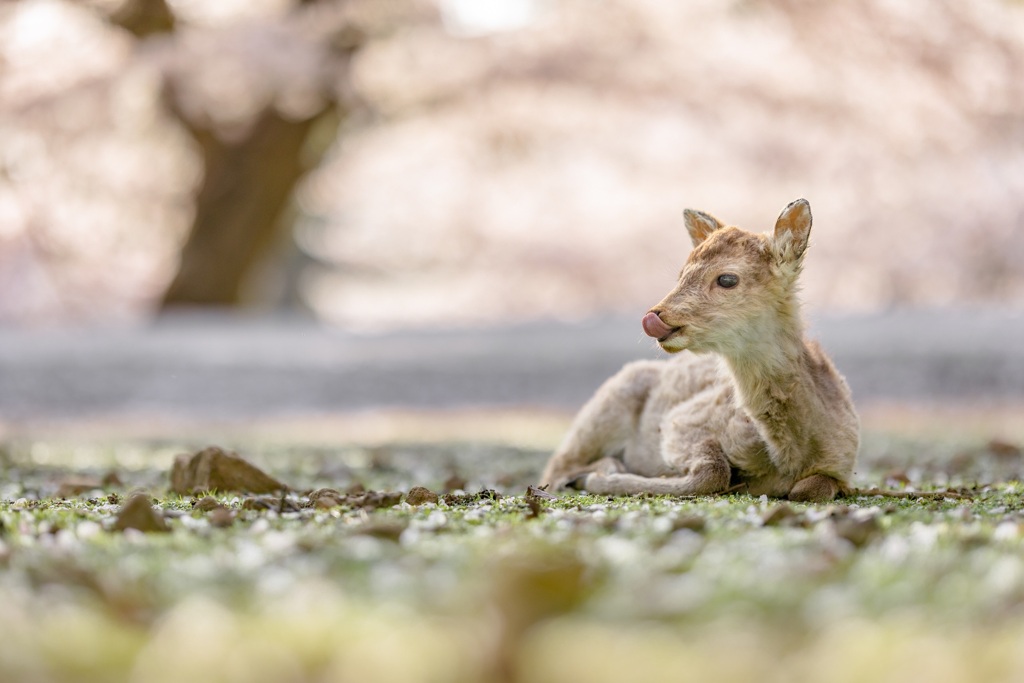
(309, 583)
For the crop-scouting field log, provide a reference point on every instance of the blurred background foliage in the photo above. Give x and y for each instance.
(384, 163)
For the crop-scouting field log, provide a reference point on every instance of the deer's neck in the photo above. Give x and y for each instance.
(770, 365)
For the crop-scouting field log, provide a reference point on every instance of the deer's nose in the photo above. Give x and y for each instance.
(654, 326)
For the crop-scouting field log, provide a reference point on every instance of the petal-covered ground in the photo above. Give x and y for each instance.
(487, 579)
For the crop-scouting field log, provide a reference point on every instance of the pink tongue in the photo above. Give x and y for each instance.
(654, 326)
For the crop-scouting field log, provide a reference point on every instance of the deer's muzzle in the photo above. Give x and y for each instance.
(655, 327)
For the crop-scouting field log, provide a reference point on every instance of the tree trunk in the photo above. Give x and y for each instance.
(246, 188)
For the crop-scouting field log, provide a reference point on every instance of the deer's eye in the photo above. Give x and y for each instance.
(728, 280)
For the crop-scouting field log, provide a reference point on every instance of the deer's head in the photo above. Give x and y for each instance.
(737, 288)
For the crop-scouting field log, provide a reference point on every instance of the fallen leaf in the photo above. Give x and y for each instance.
(371, 500)
(326, 502)
(326, 498)
(380, 458)
(537, 583)
(357, 497)
(1003, 449)
(454, 483)
(138, 513)
(215, 469)
(470, 498)
(534, 500)
(528, 587)
(390, 531)
(781, 514)
(76, 486)
(334, 493)
(539, 493)
(222, 517)
(112, 480)
(857, 531)
(277, 504)
(206, 504)
(837, 510)
(127, 600)
(507, 479)
(418, 495)
(691, 522)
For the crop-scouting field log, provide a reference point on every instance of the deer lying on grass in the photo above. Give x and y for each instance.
(747, 401)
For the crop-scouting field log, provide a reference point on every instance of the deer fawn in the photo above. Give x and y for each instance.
(746, 401)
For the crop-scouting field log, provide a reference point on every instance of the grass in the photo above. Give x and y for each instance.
(509, 589)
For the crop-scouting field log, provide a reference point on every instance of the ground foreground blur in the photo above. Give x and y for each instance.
(338, 581)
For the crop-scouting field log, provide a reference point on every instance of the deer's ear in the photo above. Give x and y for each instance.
(700, 225)
(793, 230)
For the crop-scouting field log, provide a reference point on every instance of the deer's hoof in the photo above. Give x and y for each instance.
(817, 488)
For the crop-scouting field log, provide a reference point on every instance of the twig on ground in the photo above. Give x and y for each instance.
(933, 495)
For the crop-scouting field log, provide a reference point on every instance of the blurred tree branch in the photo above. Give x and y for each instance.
(581, 116)
(253, 163)
(246, 188)
(143, 18)
(250, 177)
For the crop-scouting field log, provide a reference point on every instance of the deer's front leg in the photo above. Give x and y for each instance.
(704, 471)
(604, 425)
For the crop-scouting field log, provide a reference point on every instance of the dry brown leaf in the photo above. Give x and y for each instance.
(454, 483)
(470, 498)
(536, 492)
(138, 513)
(361, 498)
(222, 517)
(857, 531)
(781, 514)
(76, 486)
(206, 504)
(1003, 449)
(691, 522)
(215, 469)
(390, 531)
(418, 495)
